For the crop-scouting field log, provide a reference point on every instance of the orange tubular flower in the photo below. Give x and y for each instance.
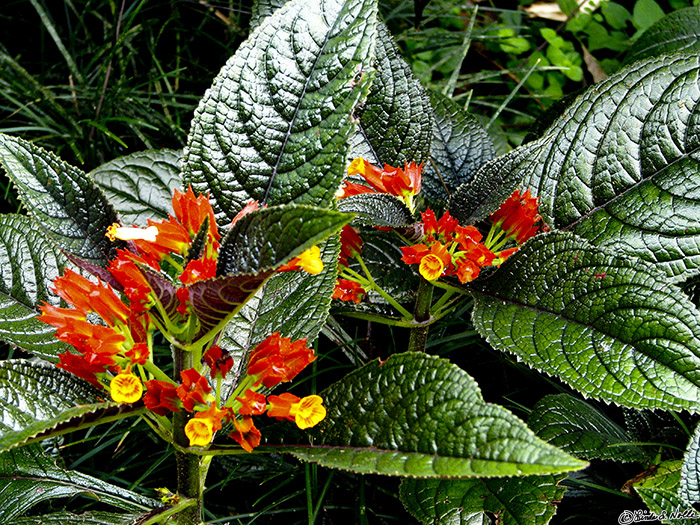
(245, 434)
(214, 415)
(125, 387)
(173, 237)
(435, 263)
(403, 183)
(219, 361)
(252, 403)
(347, 290)
(138, 354)
(199, 431)
(199, 270)
(161, 397)
(191, 211)
(278, 359)
(518, 216)
(350, 244)
(193, 390)
(135, 285)
(308, 260)
(305, 412)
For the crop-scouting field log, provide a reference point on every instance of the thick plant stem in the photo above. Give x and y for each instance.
(190, 481)
(421, 314)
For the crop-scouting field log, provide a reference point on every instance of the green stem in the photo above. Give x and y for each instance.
(421, 314)
(381, 292)
(190, 474)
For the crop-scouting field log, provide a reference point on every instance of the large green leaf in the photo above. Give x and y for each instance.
(29, 477)
(690, 479)
(620, 167)
(677, 32)
(262, 9)
(38, 400)
(459, 147)
(420, 416)
(581, 430)
(140, 186)
(86, 518)
(611, 327)
(396, 120)
(377, 209)
(530, 499)
(64, 203)
(659, 492)
(274, 125)
(28, 265)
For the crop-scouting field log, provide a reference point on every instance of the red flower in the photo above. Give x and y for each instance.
(278, 359)
(252, 403)
(518, 216)
(76, 365)
(219, 361)
(135, 285)
(199, 270)
(433, 261)
(248, 208)
(353, 189)
(193, 390)
(172, 237)
(214, 415)
(305, 412)
(347, 290)
(183, 296)
(442, 229)
(350, 244)
(389, 180)
(191, 212)
(161, 397)
(245, 434)
(138, 354)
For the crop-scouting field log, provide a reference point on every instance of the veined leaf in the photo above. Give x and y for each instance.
(420, 416)
(677, 32)
(262, 9)
(690, 478)
(28, 477)
(459, 147)
(28, 266)
(274, 125)
(530, 499)
(64, 203)
(581, 430)
(140, 186)
(39, 400)
(86, 518)
(620, 167)
(611, 327)
(396, 120)
(377, 209)
(660, 493)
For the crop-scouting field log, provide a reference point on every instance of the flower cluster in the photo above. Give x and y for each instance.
(110, 326)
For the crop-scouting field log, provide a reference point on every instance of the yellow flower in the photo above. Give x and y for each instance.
(199, 431)
(309, 412)
(125, 387)
(131, 234)
(310, 260)
(431, 267)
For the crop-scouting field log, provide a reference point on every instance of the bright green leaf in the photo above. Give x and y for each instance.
(659, 491)
(611, 327)
(645, 13)
(274, 125)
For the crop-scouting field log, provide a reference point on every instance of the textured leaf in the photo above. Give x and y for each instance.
(140, 186)
(690, 478)
(677, 32)
(459, 147)
(581, 430)
(516, 500)
(420, 416)
(86, 518)
(619, 168)
(38, 400)
(274, 125)
(262, 9)
(660, 493)
(270, 237)
(396, 120)
(609, 326)
(64, 203)
(28, 265)
(28, 477)
(377, 209)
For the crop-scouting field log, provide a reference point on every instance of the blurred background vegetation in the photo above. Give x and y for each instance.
(96, 79)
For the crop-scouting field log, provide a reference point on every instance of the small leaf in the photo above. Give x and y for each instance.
(38, 400)
(690, 478)
(611, 327)
(531, 499)
(459, 147)
(377, 209)
(64, 203)
(618, 168)
(28, 266)
(274, 125)
(396, 120)
(420, 416)
(29, 477)
(270, 237)
(660, 493)
(140, 186)
(581, 430)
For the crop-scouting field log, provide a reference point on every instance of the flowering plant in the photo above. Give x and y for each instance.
(317, 179)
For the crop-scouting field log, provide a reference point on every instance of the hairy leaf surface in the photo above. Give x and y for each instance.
(690, 478)
(529, 499)
(620, 167)
(659, 491)
(377, 209)
(274, 125)
(140, 186)
(581, 430)
(64, 203)
(609, 326)
(677, 32)
(420, 416)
